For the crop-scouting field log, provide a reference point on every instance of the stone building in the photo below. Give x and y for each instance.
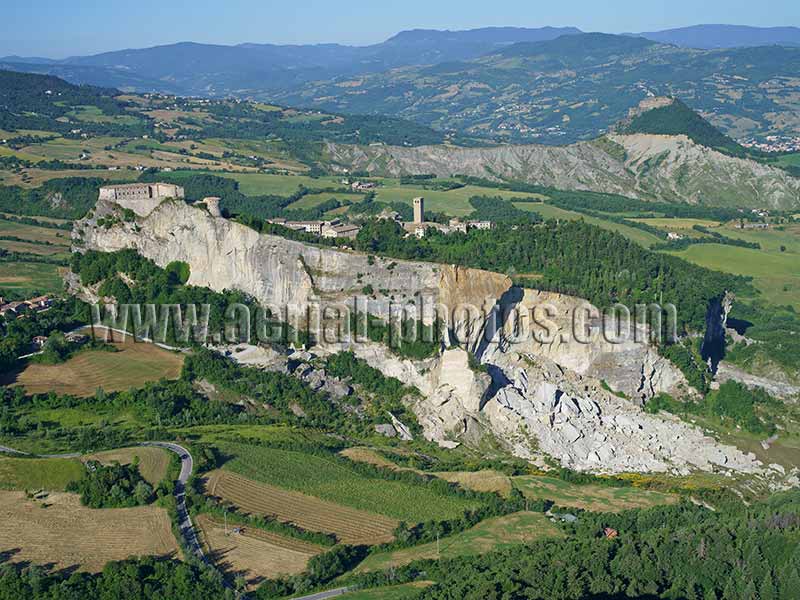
(419, 210)
(141, 198)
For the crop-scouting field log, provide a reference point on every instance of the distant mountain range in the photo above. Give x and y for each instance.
(707, 37)
(573, 88)
(551, 85)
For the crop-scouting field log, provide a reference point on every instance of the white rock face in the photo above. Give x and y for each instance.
(588, 429)
(539, 394)
(295, 280)
(554, 326)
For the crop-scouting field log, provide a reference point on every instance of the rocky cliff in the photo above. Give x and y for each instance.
(535, 395)
(639, 165)
(293, 279)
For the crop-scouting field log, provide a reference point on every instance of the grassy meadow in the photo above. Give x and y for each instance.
(489, 535)
(589, 497)
(52, 474)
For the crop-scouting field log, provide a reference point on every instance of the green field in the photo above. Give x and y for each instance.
(38, 473)
(669, 224)
(590, 497)
(776, 274)
(330, 480)
(29, 277)
(489, 535)
(792, 160)
(258, 184)
(35, 234)
(93, 114)
(548, 211)
(312, 200)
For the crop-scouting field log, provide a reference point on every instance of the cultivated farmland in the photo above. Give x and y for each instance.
(254, 553)
(133, 365)
(51, 474)
(28, 278)
(336, 482)
(590, 497)
(349, 525)
(480, 481)
(489, 535)
(59, 532)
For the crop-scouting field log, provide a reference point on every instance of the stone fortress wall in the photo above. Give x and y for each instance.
(141, 198)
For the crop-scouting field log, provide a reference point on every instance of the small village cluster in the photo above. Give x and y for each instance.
(335, 228)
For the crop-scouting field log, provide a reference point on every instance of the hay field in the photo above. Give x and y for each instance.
(30, 277)
(61, 533)
(487, 536)
(34, 474)
(351, 526)
(133, 365)
(33, 233)
(254, 553)
(479, 481)
(153, 462)
(590, 497)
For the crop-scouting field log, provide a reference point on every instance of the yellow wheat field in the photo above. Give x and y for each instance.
(59, 532)
(253, 553)
(350, 525)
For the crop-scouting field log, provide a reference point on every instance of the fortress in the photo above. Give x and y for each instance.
(141, 198)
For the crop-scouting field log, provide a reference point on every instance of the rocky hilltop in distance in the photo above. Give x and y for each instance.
(690, 162)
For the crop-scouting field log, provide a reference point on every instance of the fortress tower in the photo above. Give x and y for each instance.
(419, 210)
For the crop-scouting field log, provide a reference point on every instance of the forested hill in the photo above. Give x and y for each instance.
(47, 103)
(678, 119)
(43, 102)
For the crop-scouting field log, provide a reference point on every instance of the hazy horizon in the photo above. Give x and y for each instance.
(52, 29)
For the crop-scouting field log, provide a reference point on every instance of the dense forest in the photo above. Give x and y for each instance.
(736, 552)
(570, 257)
(139, 579)
(111, 486)
(66, 198)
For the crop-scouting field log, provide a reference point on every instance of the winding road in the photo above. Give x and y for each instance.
(184, 520)
(187, 465)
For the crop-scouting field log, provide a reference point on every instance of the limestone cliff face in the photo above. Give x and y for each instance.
(291, 276)
(567, 331)
(533, 395)
(643, 166)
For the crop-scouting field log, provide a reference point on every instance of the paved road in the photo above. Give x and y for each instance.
(184, 520)
(326, 594)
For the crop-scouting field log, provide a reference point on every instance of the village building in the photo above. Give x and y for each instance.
(345, 230)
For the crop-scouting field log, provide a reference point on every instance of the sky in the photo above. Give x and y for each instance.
(61, 28)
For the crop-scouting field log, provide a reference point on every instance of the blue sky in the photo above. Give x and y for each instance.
(59, 28)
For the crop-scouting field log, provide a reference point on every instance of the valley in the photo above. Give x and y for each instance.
(409, 374)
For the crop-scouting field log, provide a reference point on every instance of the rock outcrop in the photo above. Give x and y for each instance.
(586, 428)
(295, 280)
(548, 392)
(639, 165)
